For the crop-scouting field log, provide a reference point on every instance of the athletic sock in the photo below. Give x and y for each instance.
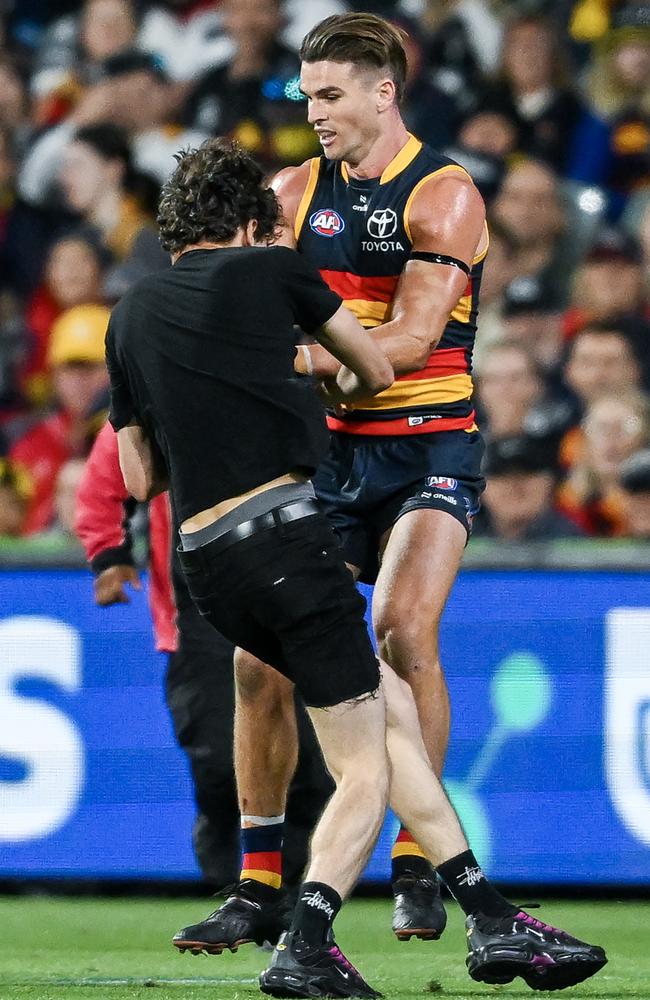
(315, 911)
(262, 851)
(407, 858)
(470, 888)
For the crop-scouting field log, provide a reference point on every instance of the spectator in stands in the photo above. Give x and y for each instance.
(534, 91)
(133, 94)
(634, 482)
(518, 503)
(532, 317)
(73, 276)
(484, 141)
(76, 357)
(13, 500)
(72, 51)
(463, 40)
(95, 177)
(620, 74)
(427, 110)
(255, 97)
(614, 427)
(529, 208)
(508, 387)
(619, 87)
(66, 488)
(609, 283)
(601, 360)
(14, 103)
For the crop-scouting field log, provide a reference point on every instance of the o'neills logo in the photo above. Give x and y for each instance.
(318, 901)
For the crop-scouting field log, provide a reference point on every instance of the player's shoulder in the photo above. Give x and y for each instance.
(292, 181)
(444, 186)
(437, 169)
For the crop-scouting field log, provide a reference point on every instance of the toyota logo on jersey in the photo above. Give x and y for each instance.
(326, 222)
(382, 223)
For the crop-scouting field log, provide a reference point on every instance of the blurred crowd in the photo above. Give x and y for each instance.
(546, 104)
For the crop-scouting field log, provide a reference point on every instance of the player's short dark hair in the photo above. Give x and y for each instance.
(362, 39)
(213, 191)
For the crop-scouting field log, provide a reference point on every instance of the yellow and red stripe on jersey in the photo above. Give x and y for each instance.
(369, 298)
(444, 379)
(429, 393)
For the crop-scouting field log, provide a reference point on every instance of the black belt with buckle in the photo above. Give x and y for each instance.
(292, 511)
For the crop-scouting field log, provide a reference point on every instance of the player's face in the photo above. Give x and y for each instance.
(343, 107)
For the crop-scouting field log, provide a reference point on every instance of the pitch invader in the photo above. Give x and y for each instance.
(399, 232)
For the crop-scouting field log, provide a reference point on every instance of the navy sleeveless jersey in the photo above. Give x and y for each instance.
(356, 232)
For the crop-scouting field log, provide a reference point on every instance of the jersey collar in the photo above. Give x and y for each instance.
(400, 162)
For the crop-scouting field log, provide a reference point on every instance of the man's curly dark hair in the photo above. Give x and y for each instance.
(213, 191)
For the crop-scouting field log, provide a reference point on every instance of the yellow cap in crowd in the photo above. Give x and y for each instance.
(78, 335)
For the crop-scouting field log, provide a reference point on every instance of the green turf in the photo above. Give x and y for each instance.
(90, 949)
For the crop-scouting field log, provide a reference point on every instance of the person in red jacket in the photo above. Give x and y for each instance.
(199, 687)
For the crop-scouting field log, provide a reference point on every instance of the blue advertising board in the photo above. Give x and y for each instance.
(549, 759)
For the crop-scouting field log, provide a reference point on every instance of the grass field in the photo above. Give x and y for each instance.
(87, 949)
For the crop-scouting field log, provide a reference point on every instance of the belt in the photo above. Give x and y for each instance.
(292, 511)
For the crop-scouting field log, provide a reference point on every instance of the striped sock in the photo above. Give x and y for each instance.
(407, 857)
(262, 853)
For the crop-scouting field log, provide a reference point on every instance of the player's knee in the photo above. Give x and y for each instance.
(408, 642)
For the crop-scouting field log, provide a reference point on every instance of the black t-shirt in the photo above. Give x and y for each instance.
(201, 356)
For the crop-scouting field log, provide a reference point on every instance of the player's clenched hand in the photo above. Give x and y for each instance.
(110, 585)
(330, 394)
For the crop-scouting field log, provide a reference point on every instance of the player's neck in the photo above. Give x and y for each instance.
(385, 148)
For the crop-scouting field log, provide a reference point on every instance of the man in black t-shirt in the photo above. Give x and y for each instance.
(204, 395)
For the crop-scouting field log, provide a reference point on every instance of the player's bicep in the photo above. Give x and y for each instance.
(425, 298)
(446, 223)
(447, 218)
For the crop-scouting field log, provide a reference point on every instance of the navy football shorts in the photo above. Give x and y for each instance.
(367, 483)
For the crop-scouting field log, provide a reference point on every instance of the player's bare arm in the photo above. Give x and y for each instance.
(366, 369)
(289, 185)
(141, 476)
(447, 220)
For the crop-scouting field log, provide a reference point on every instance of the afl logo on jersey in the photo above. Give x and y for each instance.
(326, 222)
(442, 482)
(382, 223)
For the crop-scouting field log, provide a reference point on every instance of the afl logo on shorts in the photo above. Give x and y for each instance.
(382, 223)
(442, 482)
(326, 222)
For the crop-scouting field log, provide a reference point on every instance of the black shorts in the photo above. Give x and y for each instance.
(367, 483)
(286, 595)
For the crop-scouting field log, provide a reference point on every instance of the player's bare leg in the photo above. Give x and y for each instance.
(420, 560)
(265, 755)
(503, 942)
